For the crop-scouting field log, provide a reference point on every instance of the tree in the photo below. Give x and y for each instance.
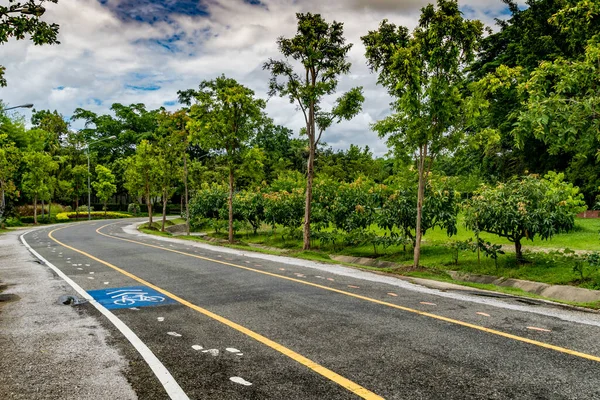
(224, 117)
(169, 151)
(104, 185)
(525, 208)
(321, 49)
(424, 72)
(20, 19)
(141, 175)
(9, 164)
(36, 179)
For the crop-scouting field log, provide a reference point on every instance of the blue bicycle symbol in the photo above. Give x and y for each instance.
(127, 297)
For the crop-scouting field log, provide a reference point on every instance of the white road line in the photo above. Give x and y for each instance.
(171, 386)
(239, 380)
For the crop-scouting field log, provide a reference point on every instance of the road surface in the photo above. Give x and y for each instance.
(225, 324)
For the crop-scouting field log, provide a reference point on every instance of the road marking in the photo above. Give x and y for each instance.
(197, 347)
(354, 287)
(239, 380)
(160, 371)
(399, 307)
(174, 334)
(428, 303)
(160, 319)
(321, 370)
(482, 313)
(212, 352)
(533, 328)
(392, 294)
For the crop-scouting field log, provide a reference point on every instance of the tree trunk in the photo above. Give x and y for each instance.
(164, 216)
(518, 250)
(104, 205)
(420, 195)
(149, 206)
(35, 210)
(308, 202)
(185, 183)
(77, 209)
(230, 201)
(42, 209)
(310, 130)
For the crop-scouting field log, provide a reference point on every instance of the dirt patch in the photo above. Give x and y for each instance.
(8, 298)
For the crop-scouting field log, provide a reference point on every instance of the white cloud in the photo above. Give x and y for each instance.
(102, 52)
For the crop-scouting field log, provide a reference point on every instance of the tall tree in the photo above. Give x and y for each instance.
(104, 185)
(321, 49)
(424, 72)
(36, 180)
(141, 175)
(9, 164)
(225, 116)
(21, 19)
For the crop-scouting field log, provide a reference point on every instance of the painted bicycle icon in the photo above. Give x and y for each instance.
(128, 297)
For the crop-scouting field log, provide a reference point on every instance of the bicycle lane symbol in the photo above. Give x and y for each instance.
(132, 296)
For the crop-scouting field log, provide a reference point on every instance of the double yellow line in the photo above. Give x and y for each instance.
(344, 382)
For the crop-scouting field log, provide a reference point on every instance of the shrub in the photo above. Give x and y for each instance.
(133, 208)
(95, 215)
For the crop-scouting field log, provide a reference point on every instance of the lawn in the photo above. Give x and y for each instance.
(542, 266)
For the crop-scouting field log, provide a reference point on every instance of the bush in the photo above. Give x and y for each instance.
(95, 215)
(133, 208)
(84, 209)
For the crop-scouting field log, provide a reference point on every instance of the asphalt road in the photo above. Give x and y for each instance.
(299, 330)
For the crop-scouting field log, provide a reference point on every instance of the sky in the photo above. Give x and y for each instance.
(144, 51)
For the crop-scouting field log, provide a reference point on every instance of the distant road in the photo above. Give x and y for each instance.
(227, 325)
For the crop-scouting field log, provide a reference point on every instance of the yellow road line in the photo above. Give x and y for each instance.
(385, 303)
(327, 373)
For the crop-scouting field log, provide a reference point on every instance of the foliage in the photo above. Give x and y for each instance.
(525, 208)
(207, 204)
(225, 116)
(321, 49)
(424, 72)
(141, 174)
(21, 19)
(284, 208)
(104, 184)
(66, 216)
(133, 208)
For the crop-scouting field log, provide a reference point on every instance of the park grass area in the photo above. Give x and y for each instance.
(544, 261)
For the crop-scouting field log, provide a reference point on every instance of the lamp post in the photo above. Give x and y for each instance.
(21, 106)
(87, 147)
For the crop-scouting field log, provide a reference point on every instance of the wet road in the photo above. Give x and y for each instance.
(252, 326)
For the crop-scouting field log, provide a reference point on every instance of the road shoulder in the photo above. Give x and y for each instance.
(50, 350)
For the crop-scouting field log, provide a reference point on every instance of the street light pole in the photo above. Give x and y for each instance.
(21, 106)
(87, 146)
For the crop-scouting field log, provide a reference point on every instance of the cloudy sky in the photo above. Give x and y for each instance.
(143, 51)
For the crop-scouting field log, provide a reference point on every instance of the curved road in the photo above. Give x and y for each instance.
(247, 326)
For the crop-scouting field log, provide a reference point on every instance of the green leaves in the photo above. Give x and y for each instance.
(525, 208)
(19, 19)
(104, 185)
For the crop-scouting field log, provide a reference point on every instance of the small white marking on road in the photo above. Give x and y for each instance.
(212, 352)
(330, 279)
(174, 334)
(171, 245)
(257, 265)
(533, 328)
(282, 269)
(90, 277)
(80, 269)
(197, 347)
(68, 258)
(428, 303)
(134, 308)
(160, 319)
(92, 273)
(87, 265)
(232, 350)
(354, 287)
(239, 380)
(79, 265)
(482, 313)
(248, 262)
(106, 283)
(392, 294)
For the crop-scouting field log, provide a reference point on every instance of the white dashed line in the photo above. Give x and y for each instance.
(239, 380)
(174, 334)
(197, 347)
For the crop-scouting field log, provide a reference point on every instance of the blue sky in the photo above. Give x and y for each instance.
(143, 51)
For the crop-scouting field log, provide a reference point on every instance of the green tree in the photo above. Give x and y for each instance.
(169, 151)
(104, 185)
(321, 49)
(9, 164)
(425, 73)
(21, 19)
(224, 117)
(36, 180)
(141, 175)
(525, 208)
